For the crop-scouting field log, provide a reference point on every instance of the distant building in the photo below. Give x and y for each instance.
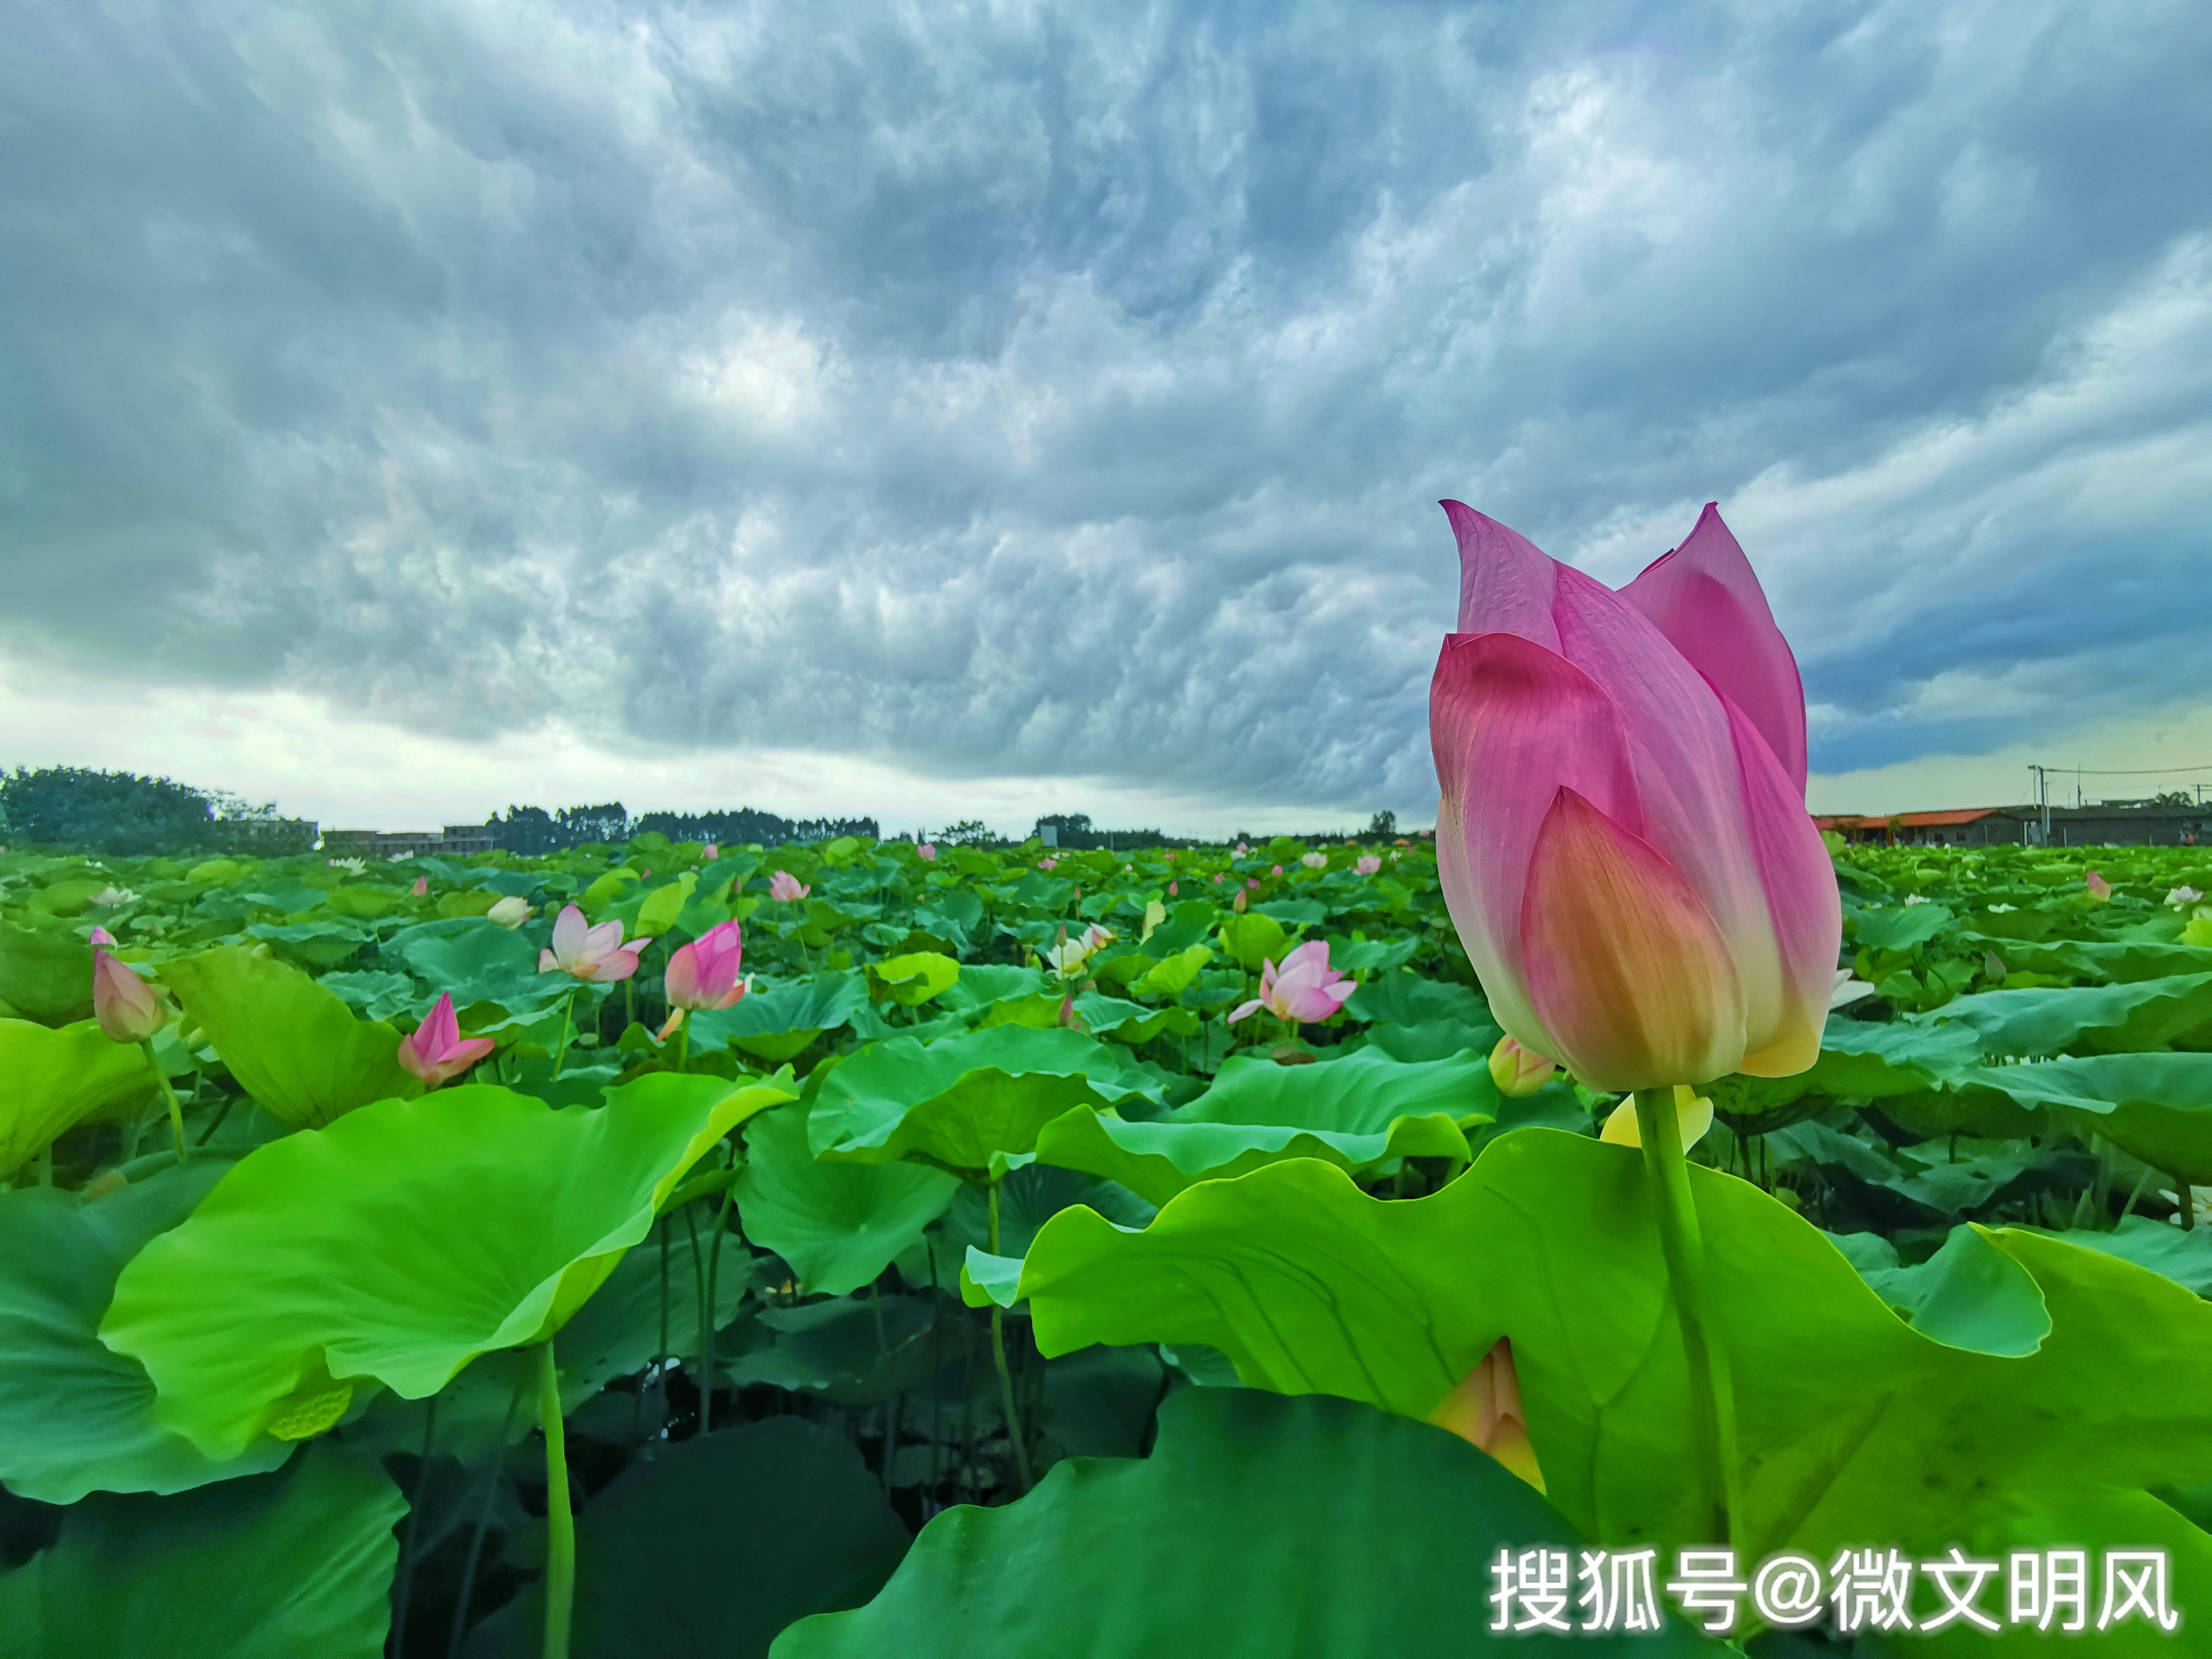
(454, 841)
(2107, 824)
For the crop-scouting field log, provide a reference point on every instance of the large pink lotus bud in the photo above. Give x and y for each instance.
(1623, 840)
(123, 1004)
(436, 1051)
(590, 953)
(787, 888)
(421, 887)
(705, 973)
(1306, 988)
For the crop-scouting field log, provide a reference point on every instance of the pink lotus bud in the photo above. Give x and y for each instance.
(1370, 865)
(710, 851)
(1516, 1071)
(422, 886)
(1304, 988)
(786, 888)
(1069, 1017)
(1622, 840)
(1242, 848)
(927, 851)
(1173, 889)
(1216, 879)
(704, 974)
(1486, 1411)
(1048, 864)
(1169, 856)
(1242, 902)
(597, 954)
(123, 1004)
(1252, 883)
(1279, 870)
(2099, 889)
(436, 1051)
(101, 936)
(510, 912)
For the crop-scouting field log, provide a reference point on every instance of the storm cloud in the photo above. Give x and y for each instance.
(1066, 389)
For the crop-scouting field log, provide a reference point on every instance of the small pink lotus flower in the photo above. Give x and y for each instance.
(1241, 902)
(1370, 865)
(1170, 856)
(704, 974)
(1315, 861)
(1306, 988)
(1216, 879)
(123, 1004)
(1279, 870)
(1252, 883)
(1046, 864)
(436, 1051)
(1242, 848)
(786, 888)
(2099, 889)
(421, 887)
(1517, 1071)
(597, 954)
(710, 851)
(926, 851)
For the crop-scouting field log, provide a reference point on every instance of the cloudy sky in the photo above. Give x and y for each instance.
(948, 410)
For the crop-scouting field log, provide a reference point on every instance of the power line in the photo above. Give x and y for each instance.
(2124, 771)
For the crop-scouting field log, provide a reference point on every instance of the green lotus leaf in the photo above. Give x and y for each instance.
(46, 974)
(291, 1045)
(455, 953)
(400, 1242)
(2113, 962)
(2099, 1019)
(361, 903)
(53, 1079)
(1355, 1112)
(661, 907)
(2157, 1107)
(313, 944)
(1259, 1525)
(837, 1224)
(965, 1104)
(917, 977)
(1853, 1424)
(1131, 1023)
(1863, 1060)
(1899, 929)
(1253, 940)
(1172, 975)
(1969, 1295)
(294, 1562)
(777, 1022)
(706, 1548)
(2182, 1254)
(75, 1416)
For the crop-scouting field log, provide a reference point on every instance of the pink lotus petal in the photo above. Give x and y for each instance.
(1244, 1010)
(569, 932)
(123, 1003)
(1705, 599)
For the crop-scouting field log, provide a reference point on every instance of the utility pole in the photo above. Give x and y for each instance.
(2043, 798)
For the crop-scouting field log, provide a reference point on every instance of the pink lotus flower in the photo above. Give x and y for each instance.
(1517, 1071)
(123, 1004)
(1252, 883)
(1304, 988)
(704, 973)
(710, 851)
(422, 886)
(2099, 889)
(1370, 865)
(1279, 870)
(1485, 1410)
(926, 850)
(1242, 902)
(597, 954)
(786, 888)
(1242, 848)
(1048, 864)
(1622, 841)
(436, 1051)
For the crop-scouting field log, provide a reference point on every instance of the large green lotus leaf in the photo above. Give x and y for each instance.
(1130, 1022)
(75, 1416)
(1409, 1000)
(917, 977)
(291, 1045)
(458, 951)
(1355, 1112)
(51, 1080)
(1853, 1424)
(399, 1244)
(775, 1024)
(2116, 962)
(1254, 939)
(1902, 928)
(1968, 1295)
(46, 974)
(288, 1563)
(2157, 1107)
(2184, 1254)
(706, 1548)
(313, 944)
(837, 1224)
(2099, 1019)
(968, 1103)
(1259, 1525)
(1861, 1060)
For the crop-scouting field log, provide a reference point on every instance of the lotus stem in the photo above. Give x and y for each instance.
(683, 1045)
(559, 1521)
(2188, 1200)
(999, 1354)
(567, 1019)
(707, 1313)
(169, 1097)
(1712, 1394)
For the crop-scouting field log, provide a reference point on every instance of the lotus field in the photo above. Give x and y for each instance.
(1516, 1238)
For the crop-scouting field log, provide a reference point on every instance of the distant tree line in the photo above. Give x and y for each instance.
(534, 829)
(125, 814)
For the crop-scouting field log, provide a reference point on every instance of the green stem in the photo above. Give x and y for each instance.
(2188, 1202)
(999, 1354)
(567, 1019)
(1712, 1394)
(708, 1311)
(683, 1045)
(560, 1522)
(169, 1097)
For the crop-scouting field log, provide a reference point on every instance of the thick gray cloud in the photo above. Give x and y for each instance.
(1067, 389)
